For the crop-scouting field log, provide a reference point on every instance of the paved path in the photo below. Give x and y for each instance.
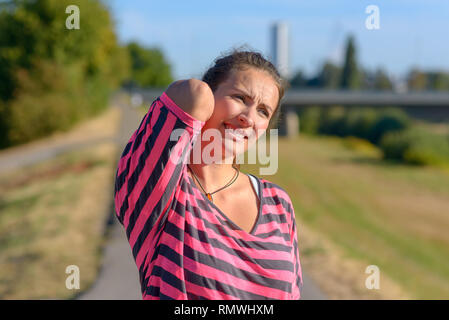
(26, 157)
(47, 148)
(118, 278)
(310, 290)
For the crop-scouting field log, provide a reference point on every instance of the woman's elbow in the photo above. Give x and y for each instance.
(193, 96)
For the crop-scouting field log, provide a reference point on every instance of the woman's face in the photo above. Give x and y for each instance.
(244, 102)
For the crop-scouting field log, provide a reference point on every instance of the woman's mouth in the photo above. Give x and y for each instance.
(237, 134)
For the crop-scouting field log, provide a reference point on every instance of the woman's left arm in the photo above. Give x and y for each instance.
(297, 285)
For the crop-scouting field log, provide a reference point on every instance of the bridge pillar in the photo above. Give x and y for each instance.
(289, 124)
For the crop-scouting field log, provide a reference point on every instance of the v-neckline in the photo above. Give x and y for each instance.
(259, 212)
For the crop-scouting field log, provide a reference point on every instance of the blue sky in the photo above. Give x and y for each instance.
(193, 33)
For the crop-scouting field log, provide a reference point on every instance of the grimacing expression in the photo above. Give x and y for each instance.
(245, 102)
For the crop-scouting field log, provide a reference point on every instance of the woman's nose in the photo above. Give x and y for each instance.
(245, 120)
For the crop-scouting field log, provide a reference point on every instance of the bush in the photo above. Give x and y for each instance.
(358, 122)
(348, 123)
(395, 144)
(51, 77)
(365, 121)
(361, 145)
(50, 98)
(433, 150)
(3, 125)
(416, 146)
(389, 119)
(310, 120)
(331, 120)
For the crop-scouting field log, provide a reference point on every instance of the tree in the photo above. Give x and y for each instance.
(298, 80)
(438, 81)
(382, 81)
(350, 78)
(46, 68)
(35, 30)
(330, 76)
(148, 67)
(417, 80)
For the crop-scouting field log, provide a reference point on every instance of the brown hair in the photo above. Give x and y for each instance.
(241, 59)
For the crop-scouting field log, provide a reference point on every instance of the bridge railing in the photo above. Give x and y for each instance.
(294, 99)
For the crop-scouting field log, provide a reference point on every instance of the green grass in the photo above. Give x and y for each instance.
(51, 216)
(392, 215)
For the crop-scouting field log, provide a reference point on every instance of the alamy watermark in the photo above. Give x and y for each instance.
(372, 22)
(73, 280)
(209, 145)
(373, 280)
(73, 20)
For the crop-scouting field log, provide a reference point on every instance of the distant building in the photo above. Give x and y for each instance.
(280, 47)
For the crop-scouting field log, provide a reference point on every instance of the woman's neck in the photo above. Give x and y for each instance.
(213, 176)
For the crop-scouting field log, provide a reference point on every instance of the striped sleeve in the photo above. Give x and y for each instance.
(150, 167)
(297, 285)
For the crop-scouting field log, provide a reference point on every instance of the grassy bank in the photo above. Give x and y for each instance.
(53, 215)
(358, 210)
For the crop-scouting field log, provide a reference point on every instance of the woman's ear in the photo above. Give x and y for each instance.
(235, 165)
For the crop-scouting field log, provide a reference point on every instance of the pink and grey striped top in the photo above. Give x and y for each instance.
(183, 245)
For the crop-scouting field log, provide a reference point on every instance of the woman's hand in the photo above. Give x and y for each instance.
(193, 96)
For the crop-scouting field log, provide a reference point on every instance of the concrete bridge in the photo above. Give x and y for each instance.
(427, 105)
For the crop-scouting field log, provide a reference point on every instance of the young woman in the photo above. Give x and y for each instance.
(202, 230)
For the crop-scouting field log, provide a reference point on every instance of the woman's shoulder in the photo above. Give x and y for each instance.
(274, 191)
(274, 194)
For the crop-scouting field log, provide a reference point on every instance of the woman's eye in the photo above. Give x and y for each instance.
(265, 112)
(240, 97)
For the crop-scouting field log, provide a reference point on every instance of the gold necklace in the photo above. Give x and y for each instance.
(209, 194)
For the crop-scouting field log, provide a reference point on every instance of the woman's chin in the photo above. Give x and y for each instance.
(234, 148)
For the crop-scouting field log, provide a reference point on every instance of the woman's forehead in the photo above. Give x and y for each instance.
(255, 83)
(248, 75)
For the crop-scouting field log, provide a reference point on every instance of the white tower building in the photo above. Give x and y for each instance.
(280, 47)
(289, 126)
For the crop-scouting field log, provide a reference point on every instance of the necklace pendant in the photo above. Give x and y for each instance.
(209, 196)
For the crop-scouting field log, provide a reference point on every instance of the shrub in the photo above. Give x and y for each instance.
(331, 120)
(310, 119)
(50, 98)
(389, 119)
(361, 145)
(51, 77)
(395, 144)
(358, 122)
(433, 149)
(348, 123)
(416, 146)
(3, 125)
(365, 121)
